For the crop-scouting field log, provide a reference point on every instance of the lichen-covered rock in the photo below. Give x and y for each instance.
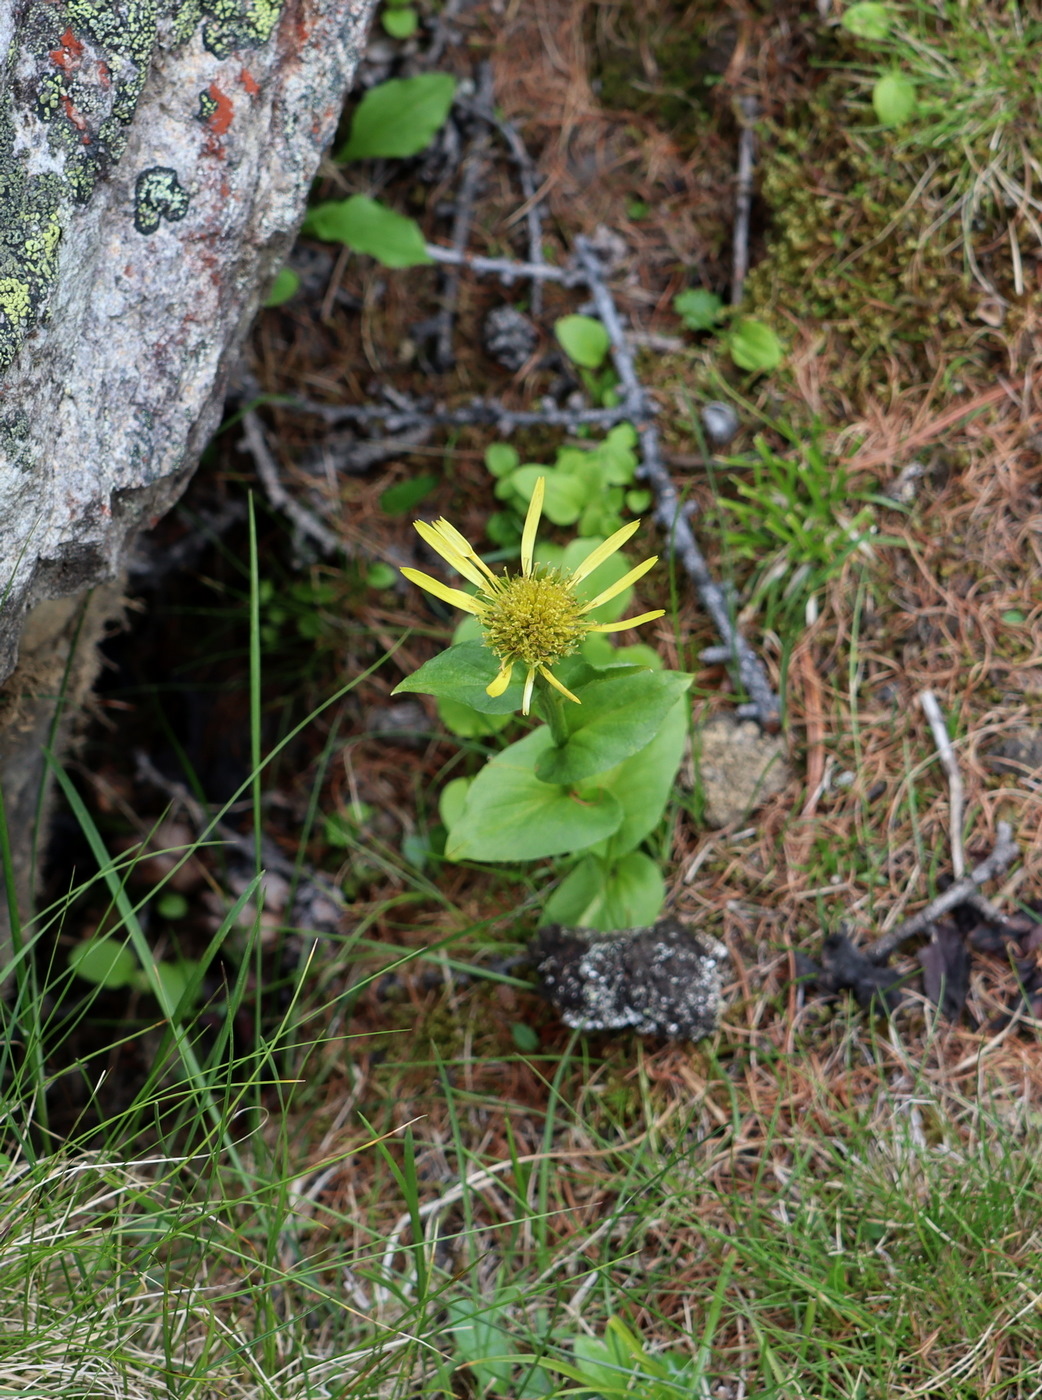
(155, 159)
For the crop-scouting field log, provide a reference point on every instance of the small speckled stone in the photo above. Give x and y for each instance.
(664, 981)
(720, 422)
(509, 337)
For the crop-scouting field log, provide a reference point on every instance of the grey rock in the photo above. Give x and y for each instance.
(665, 980)
(155, 160)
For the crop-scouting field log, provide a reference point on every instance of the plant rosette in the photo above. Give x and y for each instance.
(593, 781)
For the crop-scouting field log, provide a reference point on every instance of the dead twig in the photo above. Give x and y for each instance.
(506, 269)
(409, 413)
(473, 168)
(526, 174)
(668, 511)
(950, 763)
(308, 524)
(743, 200)
(963, 891)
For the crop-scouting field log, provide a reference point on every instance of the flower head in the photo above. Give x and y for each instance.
(532, 619)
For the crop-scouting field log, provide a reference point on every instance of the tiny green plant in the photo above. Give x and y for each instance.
(399, 19)
(394, 120)
(591, 782)
(586, 342)
(752, 345)
(586, 486)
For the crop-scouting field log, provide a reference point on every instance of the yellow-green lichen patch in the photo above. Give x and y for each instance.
(15, 303)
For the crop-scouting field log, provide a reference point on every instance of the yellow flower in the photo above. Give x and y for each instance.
(535, 618)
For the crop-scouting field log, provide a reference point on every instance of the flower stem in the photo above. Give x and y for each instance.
(552, 706)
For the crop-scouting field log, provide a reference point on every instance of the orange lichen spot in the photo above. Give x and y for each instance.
(77, 119)
(249, 82)
(70, 53)
(104, 75)
(221, 117)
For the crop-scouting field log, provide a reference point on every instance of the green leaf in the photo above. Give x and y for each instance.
(893, 98)
(583, 339)
(453, 799)
(510, 815)
(105, 962)
(398, 118)
(565, 494)
(466, 722)
(524, 1037)
(400, 22)
(462, 673)
(619, 715)
(867, 20)
(644, 783)
(285, 285)
(501, 458)
(368, 226)
(381, 575)
(627, 893)
(175, 978)
(698, 309)
(754, 346)
(637, 502)
(407, 495)
(171, 905)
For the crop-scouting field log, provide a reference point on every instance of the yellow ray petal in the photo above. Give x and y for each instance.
(455, 596)
(437, 541)
(497, 687)
(535, 509)
(549, 676)
(526, 701)
(605, 550)
(622, 583)
(627, 622)
(464, 547)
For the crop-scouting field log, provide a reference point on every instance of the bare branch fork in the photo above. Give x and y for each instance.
(966, 889)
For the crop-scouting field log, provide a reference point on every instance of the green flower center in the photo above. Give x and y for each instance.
(535, 620)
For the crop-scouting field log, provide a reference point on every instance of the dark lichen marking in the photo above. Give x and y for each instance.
(158, 195)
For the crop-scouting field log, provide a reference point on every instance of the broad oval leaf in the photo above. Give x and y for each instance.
(627, 894)
(867, 20)
(583, 339)
(893, 98)
(398, 118)
(104, 961)
(619, 715)
(368, 226)
(643, 783)
(461, 673)
(510, 815)
(754, 346)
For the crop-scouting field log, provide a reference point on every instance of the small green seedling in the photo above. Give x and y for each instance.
(399, 19)
(395, 120)
(586, 343)
(698, 308)
(285, 286)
